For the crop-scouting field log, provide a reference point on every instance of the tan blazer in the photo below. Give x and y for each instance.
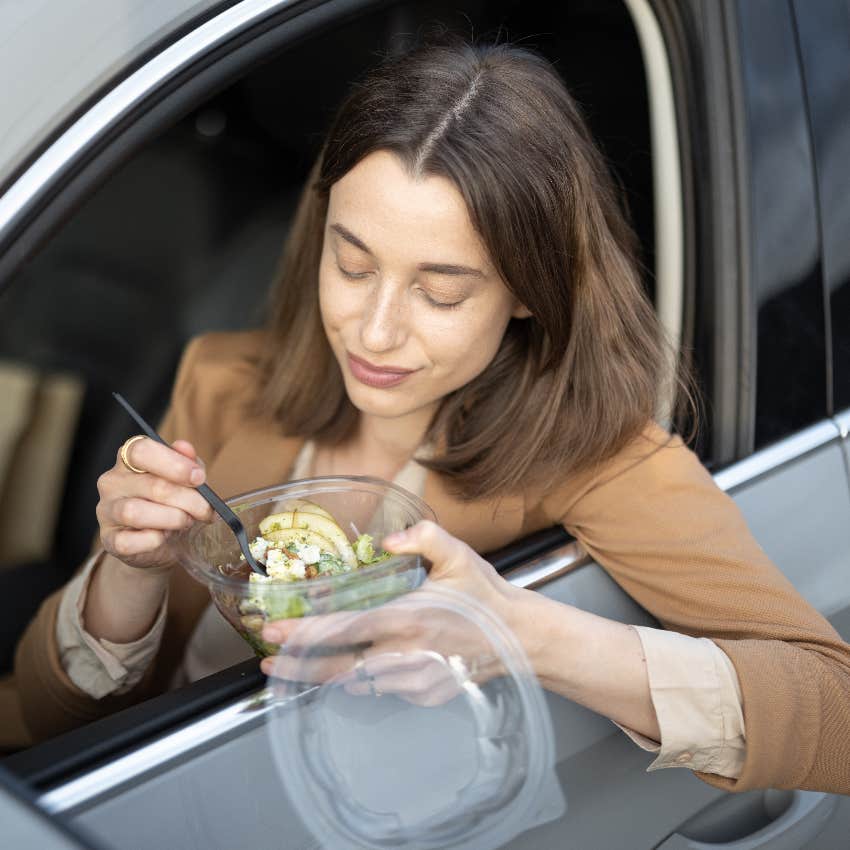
(652, 517)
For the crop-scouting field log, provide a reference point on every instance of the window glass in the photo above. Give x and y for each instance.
(58, 54)
(786, 272)
(824, 33)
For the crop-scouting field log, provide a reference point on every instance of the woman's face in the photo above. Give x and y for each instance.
(410, 301)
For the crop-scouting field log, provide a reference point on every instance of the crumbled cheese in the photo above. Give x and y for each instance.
(276, 561)
(258, 549)
(297, 568)
(283, 567)
(308, 553)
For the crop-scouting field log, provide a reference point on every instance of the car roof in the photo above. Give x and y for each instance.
(59, 55)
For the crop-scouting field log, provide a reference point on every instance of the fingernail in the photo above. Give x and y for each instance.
(267, 665)
(197, 476)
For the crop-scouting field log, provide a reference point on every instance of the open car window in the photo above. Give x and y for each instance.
(185, 236)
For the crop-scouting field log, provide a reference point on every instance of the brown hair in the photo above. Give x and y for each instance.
(568, 387)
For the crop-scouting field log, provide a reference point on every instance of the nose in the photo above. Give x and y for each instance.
(383, 325)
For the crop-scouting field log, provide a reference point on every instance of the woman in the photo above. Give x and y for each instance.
(459, 310)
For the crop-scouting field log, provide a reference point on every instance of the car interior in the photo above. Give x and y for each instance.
(185, 236)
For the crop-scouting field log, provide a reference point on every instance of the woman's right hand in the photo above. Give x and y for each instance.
(136, 511)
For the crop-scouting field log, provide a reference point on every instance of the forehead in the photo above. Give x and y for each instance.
(388, 209)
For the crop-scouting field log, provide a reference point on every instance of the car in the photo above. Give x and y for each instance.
(150, 161)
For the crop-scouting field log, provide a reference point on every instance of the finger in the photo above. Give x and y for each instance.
(410, 686)
(186, 449)
(143, 514)
(123, 542)
(428, 539)
(165, 462)
(165, 492)
(115, 487)
(328, 629)
(427, 685)
(315, 665)
(438, 695)
(390, 621)
(314, 670)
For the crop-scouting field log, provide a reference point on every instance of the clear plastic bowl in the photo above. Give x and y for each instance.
(211, 554)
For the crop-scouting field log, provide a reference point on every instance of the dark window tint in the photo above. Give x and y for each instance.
(785, 248)
(824, 32)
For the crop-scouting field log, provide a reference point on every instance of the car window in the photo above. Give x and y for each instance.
(185, 237)
(58, 54)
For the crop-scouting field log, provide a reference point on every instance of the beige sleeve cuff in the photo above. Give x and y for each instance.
(100, 667)
(697, 700)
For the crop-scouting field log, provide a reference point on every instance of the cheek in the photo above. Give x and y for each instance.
(337, 303)
(464, 344)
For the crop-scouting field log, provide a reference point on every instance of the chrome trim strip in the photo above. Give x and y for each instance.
(243, 714)
(785, 451)
(549, 566)
(127, 94)
(842, 420)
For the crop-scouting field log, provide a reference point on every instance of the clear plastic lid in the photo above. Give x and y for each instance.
(416, 724)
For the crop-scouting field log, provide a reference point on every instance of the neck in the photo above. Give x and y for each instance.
(395, 439)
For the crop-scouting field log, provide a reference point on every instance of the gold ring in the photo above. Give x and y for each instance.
(123, 454)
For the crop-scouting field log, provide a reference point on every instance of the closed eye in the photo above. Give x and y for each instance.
(350, 274)
(444, 305)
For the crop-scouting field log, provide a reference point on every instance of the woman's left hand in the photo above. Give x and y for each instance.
(422, 653)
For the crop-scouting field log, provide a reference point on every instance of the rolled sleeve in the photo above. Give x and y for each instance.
(697, 699)
(100, 667)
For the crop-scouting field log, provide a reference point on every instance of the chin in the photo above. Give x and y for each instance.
(375, 402)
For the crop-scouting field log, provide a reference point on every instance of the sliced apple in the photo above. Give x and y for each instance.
(304, 536)
(305, 507)
(317, 524)
(292, 506)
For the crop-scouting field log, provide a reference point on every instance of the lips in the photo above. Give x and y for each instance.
(376, 376)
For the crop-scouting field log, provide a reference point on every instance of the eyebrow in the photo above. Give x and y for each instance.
(436, 268)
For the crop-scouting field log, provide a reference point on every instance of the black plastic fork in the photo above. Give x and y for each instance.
(217, 503)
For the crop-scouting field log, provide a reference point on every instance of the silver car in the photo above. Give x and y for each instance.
(150, 155)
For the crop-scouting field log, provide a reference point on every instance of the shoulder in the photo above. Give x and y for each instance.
(224, 352)
(654, 461)
(218, 386)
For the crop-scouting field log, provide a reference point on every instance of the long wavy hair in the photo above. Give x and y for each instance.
(570, 386)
